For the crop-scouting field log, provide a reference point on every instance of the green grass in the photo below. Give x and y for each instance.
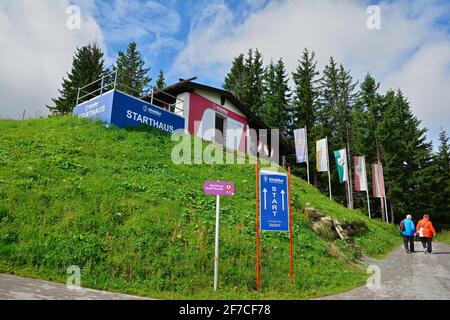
(443, 237)
(73, 192)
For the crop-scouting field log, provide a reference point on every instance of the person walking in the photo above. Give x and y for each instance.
(426, 232)
(408, 229)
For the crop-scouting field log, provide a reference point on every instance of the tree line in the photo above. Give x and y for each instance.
(88, 65)
(356, 116)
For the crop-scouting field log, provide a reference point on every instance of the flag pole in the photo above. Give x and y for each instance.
(328, 163)
(307, 153)
(367, 187)
(386, 209)
(348, 180)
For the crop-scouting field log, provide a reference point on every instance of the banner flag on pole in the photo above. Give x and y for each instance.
(378, 181)
(360, 174)
(341, 163)
(301, 145)
(322, 155)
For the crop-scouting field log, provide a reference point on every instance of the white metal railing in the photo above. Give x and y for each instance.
(111, 80)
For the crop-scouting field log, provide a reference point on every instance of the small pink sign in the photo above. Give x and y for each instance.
(219, 188)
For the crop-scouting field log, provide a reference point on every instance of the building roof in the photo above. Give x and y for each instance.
(169, 93)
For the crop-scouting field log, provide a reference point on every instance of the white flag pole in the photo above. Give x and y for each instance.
(368, 202)
(367, 186)
(328, 163)
(349, 201)
(307, 153)
(385, 208)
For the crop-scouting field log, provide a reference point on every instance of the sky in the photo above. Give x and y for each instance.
(410, 50)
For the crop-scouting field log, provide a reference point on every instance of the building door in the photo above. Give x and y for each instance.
(220, 126)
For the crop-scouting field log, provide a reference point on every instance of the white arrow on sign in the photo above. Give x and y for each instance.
(282, 199)
(265, 198)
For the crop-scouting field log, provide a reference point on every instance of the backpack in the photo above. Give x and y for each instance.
(402, 226)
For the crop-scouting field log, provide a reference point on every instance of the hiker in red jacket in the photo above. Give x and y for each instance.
(426, 232)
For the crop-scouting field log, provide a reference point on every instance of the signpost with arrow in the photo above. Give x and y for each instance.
(273, 209)
(274, 199)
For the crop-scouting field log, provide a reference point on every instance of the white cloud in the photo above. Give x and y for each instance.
(135, 20)
(425, 80)
(36, 52)
(331, 28)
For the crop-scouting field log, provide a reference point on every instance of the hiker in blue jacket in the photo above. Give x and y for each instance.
(408, 229)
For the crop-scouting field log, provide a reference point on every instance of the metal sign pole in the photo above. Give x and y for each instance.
(368, 201)
(216, 255)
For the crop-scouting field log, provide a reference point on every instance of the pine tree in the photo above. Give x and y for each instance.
(132, 76)
(246, 80)
(343, 120)
(306, 92)
(439, 178)
(161, 81)
(305, 101)
(87, 67)
(367, 105)
(364, 128)
(328, 99)
(234, 80)
(406, 156)
(274, 111)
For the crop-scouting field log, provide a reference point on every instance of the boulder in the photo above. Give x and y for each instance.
(312, 213)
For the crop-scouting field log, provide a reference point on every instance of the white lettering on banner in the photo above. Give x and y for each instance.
(92, 111)
(149, 121)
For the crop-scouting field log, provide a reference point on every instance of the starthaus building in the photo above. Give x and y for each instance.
(209, 113)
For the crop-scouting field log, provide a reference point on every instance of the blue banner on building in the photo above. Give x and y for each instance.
(123, 110)
(273, 201)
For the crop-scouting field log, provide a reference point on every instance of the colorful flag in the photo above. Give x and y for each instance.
(341, 162)
(301, 145)
(360, 174)
(322, 155)
(378, 181)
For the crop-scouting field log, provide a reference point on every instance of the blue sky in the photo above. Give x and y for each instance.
(161, 28)
(411, 50)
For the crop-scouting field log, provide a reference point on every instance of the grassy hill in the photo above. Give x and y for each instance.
(73, 192)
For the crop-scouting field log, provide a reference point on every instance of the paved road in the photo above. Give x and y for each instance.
(403, 276)
(17, 288)
(414, 276)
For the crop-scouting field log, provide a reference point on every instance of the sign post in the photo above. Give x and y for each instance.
(273, 209)
(218, 189)
(291, 262)
(216, 251)
(274, 204)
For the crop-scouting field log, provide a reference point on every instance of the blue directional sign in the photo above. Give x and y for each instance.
(273, 201)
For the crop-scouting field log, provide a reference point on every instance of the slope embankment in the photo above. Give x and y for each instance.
(113, 203)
